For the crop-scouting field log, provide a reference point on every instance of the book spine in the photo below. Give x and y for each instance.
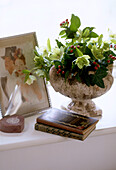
(56, 131)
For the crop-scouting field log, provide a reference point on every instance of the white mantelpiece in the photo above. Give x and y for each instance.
(41, 149)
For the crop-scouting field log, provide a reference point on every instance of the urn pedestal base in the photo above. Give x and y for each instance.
(84, 107)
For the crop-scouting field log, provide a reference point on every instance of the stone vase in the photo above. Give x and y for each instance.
(80, 93)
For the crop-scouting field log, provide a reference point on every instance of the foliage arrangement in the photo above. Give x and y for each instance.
(84, 55)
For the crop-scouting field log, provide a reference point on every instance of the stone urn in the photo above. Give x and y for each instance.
(80, 93)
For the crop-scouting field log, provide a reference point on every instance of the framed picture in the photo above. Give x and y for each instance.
(16, 54)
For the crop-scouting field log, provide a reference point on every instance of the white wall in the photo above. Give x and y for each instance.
(95, 153)
(44, 16)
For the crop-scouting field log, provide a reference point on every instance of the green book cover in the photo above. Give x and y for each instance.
(60, 132)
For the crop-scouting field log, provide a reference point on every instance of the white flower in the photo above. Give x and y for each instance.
(30, 79)
(57, 53)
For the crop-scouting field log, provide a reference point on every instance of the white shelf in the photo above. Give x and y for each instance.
(29, 137)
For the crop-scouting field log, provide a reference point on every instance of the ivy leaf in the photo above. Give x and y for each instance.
(75, 23)
(98, 76)
(101, 73)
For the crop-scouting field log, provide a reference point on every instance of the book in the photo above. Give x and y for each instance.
(61, 132)
(66, 120)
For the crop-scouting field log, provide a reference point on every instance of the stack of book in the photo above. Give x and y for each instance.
(65, 124)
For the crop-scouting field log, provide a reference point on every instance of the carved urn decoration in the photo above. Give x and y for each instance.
(80, 93)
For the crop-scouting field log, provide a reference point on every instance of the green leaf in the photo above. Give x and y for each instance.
(46, 75)
(86, 32)
(66, 75)
(62, 32)
(57, 63)
(79, 52)
(39, 73)
(101, 73)
(90, 28)
(100, 40)
(93, 35)
(64, 36)
(78, 78)
(98, 82)
(75, 23)
(26, 71)
(113, 41)
(59, 44)
(36, 53)
(26, 77)
(48, 45)
(98, 76)
(97, 52)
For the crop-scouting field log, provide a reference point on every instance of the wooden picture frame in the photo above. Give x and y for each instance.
(16, 54)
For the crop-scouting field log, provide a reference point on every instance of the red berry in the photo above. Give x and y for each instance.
(110, 55)
(94, 63)
(66, 20)
(72, 46)
(115, 46)
(78, 46)
(113, 57)
(98, 65)
(71, 51)
(62, 72)
(111, 46)
(59, 70)
(61, 24)
(95, 68)
(108, 61)
(59, 66)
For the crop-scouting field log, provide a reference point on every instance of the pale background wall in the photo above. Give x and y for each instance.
(44, 16)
